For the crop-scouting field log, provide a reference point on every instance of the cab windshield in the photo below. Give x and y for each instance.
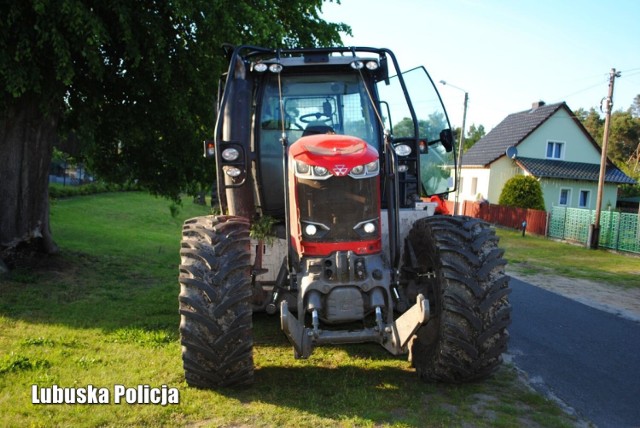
(311, 104)
(315, 104)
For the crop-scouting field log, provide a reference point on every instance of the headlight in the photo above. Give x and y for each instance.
(364, 171)
(232, 171)
(373, 167)
(365, 229)
(311, 172)
(402, 150)
(403, 168)
(310, 229)
(302, 168)
(314, 230)
(357, 65)
(357, 170)
(230, 154)
(320, 171)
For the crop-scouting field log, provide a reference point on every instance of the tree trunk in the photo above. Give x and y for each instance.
(26, 144)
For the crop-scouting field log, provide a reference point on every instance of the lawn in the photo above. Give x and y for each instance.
(536, 254)
(104, 312)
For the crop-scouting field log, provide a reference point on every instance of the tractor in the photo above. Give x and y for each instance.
(336, 158)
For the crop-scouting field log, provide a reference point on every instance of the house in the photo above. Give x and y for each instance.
(549, 143)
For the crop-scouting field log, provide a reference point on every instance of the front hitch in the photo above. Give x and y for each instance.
(393, 337)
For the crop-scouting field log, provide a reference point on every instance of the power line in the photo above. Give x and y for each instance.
(583, 90)
(602, 78)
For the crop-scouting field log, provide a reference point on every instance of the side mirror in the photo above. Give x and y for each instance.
(446, 138)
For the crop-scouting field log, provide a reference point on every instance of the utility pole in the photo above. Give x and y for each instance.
(594, 229)
(460, 145)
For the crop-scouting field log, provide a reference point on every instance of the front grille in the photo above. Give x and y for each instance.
(339, 204)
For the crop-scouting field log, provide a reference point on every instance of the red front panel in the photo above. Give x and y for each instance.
(335, 195)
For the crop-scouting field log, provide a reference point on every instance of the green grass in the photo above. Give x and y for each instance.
(534, 254)
(104, 312)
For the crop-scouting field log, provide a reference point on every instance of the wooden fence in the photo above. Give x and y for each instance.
(618, 231)
(508, 216)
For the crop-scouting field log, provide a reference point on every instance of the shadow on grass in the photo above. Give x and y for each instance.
(84, 291)
(133, 299)
(346, 392)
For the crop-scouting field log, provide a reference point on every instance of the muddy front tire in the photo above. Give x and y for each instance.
(460, 269)
(215, 302)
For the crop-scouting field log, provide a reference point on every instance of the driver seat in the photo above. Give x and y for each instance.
(317, 127)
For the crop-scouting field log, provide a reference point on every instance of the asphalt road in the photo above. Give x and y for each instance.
(587, 358)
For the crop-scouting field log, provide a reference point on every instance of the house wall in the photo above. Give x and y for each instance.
(551, 193)
(560, 128)
(490, 181)
(577, 148)
(475, 181)
(501, 171)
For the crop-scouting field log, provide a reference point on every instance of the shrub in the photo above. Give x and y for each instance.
(58, 191)
(522, 191)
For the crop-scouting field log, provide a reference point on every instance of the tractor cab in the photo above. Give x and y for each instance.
(356, 92)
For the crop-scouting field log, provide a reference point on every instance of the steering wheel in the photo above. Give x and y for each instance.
(312, 117)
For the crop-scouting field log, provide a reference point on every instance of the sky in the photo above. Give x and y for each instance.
(506, 54)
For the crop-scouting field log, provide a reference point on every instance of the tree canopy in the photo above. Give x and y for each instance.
(134, 82)
(474, 134)
(624, 138)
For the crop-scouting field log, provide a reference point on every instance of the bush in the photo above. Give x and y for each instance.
(522, 191)
(58, 191)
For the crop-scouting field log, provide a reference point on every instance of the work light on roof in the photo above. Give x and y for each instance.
(260, 67)
(372, 65)
(275, 68)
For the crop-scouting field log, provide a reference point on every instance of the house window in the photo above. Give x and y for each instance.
(460, 183)
(565, 197)
(555, 150)
(474, 186)
(585, 197)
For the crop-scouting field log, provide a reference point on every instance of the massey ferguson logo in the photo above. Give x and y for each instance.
(340, 170)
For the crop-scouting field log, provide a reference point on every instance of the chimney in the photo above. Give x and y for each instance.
(536, 104)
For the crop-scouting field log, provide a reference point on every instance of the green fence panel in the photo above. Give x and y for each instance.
(556, 222)
(628, 236)
(618, 231)
(608, 229)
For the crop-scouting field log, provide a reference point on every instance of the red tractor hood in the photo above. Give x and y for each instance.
(338, 153)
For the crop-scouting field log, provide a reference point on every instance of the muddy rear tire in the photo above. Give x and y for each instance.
(460, 270)
(215, 302)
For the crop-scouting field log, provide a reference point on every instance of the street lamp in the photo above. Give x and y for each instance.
(461, 144)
